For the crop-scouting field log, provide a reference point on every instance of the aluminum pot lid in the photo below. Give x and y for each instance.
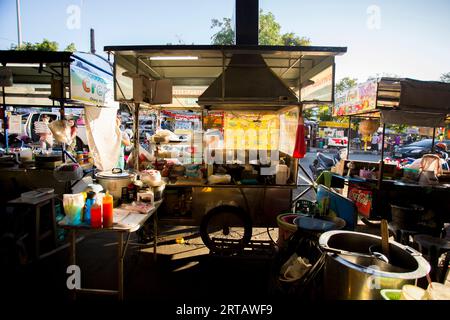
(112, 174)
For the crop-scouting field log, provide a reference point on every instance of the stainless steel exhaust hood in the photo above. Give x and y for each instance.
(248, 81)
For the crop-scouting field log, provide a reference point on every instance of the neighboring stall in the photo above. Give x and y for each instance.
(232, 154)
(56, 84)
(375, 186)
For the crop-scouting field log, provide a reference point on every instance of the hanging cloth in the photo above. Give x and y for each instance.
(103, 136)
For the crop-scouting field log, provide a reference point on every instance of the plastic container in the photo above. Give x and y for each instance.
(26, 154)
(410, 292)
(411, 174)
(286, 226)
(107, 206)
(96, 216)
(282, 173)
(438, 291)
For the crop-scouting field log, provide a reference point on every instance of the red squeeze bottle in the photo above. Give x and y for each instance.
(107, 211)
(96, 216)
(300, 142)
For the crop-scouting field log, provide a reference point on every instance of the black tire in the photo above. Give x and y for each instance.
(216, 232)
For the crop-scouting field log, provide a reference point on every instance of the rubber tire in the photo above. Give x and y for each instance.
(238, 212)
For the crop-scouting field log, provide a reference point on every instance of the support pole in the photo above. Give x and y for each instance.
(432, 139)
(120, 258)
(380, 178)
(61, 110)
(5, 119)
(136, 137)
(349, 136)
(19, 24)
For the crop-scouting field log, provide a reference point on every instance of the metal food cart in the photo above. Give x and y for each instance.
(264, 86)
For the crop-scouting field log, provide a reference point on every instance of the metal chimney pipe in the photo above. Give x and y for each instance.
(92, 41)
(247, 19)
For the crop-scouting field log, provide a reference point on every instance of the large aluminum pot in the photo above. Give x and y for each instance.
(352, 270)
(114, 181)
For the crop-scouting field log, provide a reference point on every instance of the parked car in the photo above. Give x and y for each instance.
(417, 149)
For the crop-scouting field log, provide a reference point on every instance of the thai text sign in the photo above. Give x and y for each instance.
(356, 100)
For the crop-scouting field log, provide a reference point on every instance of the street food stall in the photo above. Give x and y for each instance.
(382, 189)
(233, 156)
(39, 90)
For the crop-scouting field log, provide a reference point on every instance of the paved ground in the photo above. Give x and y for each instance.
(183, 272)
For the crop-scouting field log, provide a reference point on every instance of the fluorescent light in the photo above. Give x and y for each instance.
(174, 58)
(25, 65)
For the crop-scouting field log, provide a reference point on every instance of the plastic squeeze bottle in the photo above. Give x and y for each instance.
(107, 210)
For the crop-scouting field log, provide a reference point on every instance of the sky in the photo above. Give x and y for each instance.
(407, 38)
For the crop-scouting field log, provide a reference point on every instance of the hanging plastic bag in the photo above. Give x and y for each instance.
(60, 130)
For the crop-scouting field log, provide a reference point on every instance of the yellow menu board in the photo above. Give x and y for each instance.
(251, 130)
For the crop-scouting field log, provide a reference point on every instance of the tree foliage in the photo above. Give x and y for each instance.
(291, 39)
(398, 128)
(45, 45)
(71, 47)
(225, 35)
(345, 84)
(269, 32)
(445, 77)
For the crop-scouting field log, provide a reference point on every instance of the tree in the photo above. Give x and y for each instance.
(45, 45)
(269, 29)
(291, 39)
(445, 77)
(345, 84)
(225, 36)
(398, 128)
(269, 32)
(71, 47)
(384, 74)
(325, 113)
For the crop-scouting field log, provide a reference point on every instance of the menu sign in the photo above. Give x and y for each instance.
(356, 100)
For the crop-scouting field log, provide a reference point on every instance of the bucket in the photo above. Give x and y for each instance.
(406, 216)
(286, 226)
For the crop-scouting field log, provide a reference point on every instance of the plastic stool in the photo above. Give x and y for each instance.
(435, 247)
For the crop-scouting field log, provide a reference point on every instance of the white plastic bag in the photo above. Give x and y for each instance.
(60, 130)
(294, 268)
(73, 207)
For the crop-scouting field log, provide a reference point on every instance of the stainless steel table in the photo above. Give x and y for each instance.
(125, 223)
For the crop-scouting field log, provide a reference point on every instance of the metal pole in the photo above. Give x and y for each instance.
(155, 235)
(5, 125)
(120, 265)
(380, 178)
(73, 255)
(93, 41)
(19, 24)
(432, 139)
(136, 137)
(349, 134)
